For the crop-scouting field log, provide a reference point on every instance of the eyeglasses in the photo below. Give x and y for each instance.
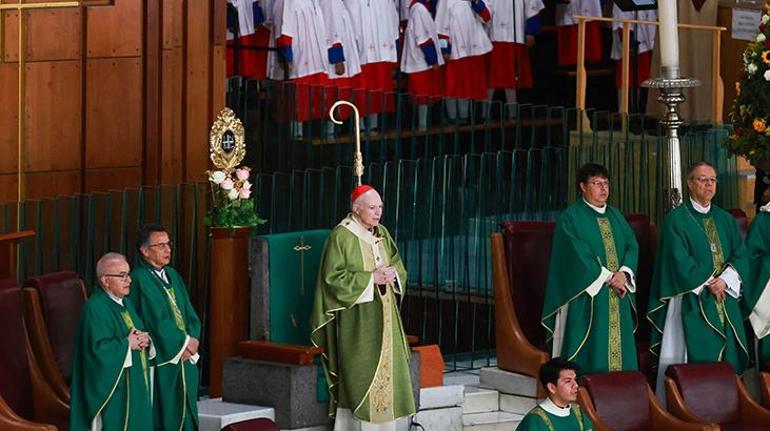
(169, 245)
(600, 183)
(124, 276)
(705, 179)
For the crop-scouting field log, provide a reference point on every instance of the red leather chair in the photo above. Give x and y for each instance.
(28, 402)
(623, 401)
(711, 393)
(52, 305)
(764, 383)
(261, 424)
(643, 229)
(742, 219)
(519, 269)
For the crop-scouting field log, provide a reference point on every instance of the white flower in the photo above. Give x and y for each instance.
(751, 68)
(765, 19)
(767, 75)
(246, 185)
(227, 184)
(217, 177)
(761, 37)
(232, 194)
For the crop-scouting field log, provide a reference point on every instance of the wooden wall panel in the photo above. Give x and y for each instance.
(171, 121)
(113, 179)
(9, 119)
(48, 184)
(53, 34)
(53, 116)
(198, 119)
(115, 31)
(8, 187)
(152, 76)
(10, 36)
(173, 22)
(114, 113)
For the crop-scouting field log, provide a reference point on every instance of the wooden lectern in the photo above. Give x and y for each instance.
(8, 243)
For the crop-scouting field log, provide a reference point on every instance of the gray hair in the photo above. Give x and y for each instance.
(696, 165)
(105, 260)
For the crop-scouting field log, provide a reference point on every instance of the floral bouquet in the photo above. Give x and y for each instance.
(750, 113)
(232, 203)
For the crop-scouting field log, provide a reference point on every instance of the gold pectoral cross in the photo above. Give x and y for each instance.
(301, 248)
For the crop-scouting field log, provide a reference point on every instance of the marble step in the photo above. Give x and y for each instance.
(447, 419)
(441, 397)
(517, 403)
(214, 414)
(491, 421)
(480, 400)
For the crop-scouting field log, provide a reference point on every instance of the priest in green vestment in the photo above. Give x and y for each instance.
(699, 267)
(560, 411)
(161, 299)
(356, 321)
(756, 295)
(589, 310)
(110, 362)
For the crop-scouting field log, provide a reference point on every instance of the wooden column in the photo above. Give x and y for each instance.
(229, 299)
(8, 243)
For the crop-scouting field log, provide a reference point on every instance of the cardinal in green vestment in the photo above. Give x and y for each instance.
(589, 310)
(162, 301)
(560, 411)
(110, 364)
(699, 270)
(756, 294)
(356, 320)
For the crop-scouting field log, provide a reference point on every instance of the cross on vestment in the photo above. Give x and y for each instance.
(300, 248)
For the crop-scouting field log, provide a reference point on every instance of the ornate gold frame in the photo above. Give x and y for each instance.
(227, 122)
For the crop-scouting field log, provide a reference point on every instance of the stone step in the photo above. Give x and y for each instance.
(491, 421)
(448, 419)
(507, 382)
(215, 414)
(517, 403)
(480, 400)
(441, 397)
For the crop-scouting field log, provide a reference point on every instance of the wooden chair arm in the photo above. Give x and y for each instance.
(45, 402)
(588, 407)
(276, 352)
(677, 406)
(10, 421)
(751, 412)
(764, 387)
(664, 421)
(41, 344)
(514, 351)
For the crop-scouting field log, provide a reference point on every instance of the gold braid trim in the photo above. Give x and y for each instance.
(615, 351)
(717, 257)
(544, 417)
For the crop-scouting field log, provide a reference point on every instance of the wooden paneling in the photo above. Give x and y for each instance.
(53, 116)
(198, 118)
(113, 179)
(9, 120)
(114, 113)
(173, 22)
(115, 31)
(152, 70)
(53, 34)
(48, 184)
(171, 120)
(8, 187)
(10, 36)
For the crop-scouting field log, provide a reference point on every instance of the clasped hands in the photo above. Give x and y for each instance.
(718, 288)
(383, 276)
(191, 349)
(138, 340)
(618, 283)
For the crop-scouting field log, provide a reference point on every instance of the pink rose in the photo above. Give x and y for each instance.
(244, 193)
(242, 173)
(227, 184)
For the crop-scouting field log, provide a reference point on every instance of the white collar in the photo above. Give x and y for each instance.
(700, 208)
(600, 210)
(765, 208)
(551, 407)
(114, 298)
(353, 224)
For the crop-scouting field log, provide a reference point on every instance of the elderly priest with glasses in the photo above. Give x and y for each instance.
(111, 371)
(699, 270)
(161, 299)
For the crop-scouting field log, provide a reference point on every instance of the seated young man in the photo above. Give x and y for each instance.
(560, 410)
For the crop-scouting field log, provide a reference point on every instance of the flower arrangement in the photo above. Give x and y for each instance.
(750, 113)
(232, 204)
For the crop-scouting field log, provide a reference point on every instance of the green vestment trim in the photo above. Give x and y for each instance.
(540, 420)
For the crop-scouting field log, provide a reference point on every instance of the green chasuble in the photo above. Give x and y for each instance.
(366, 355)
(543, 418)
(598, 331)
(166, 310)
(101, 385)
(756, 294)
(692, 247)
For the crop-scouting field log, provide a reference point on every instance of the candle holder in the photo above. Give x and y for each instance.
(671, 95)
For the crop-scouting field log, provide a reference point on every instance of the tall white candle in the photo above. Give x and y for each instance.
(669, 34)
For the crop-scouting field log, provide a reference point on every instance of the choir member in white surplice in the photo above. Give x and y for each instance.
(512, 32)
(253, 37)
(376, 26)
(567, 31)
(465, 45)
(421, 61)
